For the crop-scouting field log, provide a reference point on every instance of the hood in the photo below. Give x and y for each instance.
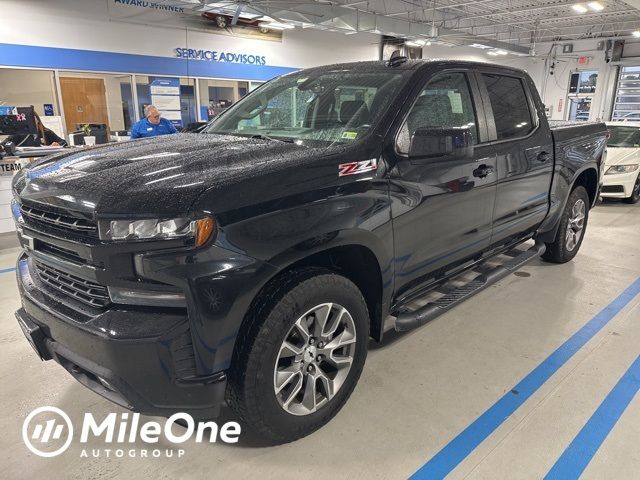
(622, 156)
(160, 175)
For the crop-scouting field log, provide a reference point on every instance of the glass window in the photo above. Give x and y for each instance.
(588, 80)
(178, 107)
(510, 106)
(96, 98)
(445, 102)
(218, 95)
(25, 88)
(319, 110)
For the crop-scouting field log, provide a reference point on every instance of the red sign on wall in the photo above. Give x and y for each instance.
(583, 60)
(560, 105)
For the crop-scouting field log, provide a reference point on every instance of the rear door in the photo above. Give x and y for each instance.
(441, 210)
(524, 153)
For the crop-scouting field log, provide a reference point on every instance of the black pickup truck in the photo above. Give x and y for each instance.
(252, 262)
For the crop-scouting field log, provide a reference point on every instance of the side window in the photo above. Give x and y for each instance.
(510, 106)
(445, 102)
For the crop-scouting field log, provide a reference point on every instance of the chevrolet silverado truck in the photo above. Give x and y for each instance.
(251, 263)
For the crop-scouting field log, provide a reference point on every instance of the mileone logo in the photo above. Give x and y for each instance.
(48, 432)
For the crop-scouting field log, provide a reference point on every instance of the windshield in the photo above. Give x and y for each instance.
(624, 137)
(312, 110)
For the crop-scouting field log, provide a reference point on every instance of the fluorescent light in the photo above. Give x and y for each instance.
(414, 43)
(428, 43)
(492, 53)
(596, 6)
(497, 52)
(276, 25)
(479, 45)
(636, 33)
(351, 32)
(578, 7)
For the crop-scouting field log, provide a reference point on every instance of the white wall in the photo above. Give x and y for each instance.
(87, 25)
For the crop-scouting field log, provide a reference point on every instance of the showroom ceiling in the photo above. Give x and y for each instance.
(515, 25)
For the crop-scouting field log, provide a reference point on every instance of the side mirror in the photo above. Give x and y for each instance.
(441, 144)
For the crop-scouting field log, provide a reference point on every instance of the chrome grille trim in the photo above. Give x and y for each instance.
(60, 221)
(85, 291)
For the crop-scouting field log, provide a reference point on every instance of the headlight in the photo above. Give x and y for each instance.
(201, 230)
(621, 169)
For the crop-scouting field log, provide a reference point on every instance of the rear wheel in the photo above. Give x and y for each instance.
(573, 224)
(635, 193)
(301, 356)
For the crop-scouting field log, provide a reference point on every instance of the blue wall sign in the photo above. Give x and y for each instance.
(89, 60)
(48, 109)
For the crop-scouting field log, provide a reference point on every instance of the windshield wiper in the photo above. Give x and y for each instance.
(267, 137)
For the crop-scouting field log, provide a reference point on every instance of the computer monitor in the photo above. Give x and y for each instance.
(98, 130)
(23, 122)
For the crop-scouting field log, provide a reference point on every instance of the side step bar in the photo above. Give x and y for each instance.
(410, 320)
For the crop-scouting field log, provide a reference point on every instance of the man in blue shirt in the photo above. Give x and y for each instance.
(152, 125)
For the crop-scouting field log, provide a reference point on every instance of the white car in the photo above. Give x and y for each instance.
(622, 165)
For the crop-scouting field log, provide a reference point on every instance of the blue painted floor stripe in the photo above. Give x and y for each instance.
(579, 453)
(461, 446)
(6, 270)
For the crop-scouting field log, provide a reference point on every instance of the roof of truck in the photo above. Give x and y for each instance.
(370, 66)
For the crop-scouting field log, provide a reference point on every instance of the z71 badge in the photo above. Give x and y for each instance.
(355, 168)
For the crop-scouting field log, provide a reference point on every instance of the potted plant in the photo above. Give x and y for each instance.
(89, 139)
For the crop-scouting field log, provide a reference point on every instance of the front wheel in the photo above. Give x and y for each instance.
(301, 355)
(573, 224)
(635, 193)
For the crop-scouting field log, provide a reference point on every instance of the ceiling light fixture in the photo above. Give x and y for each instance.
(578, 7)
(415, 43)
(636, 33)
(596, 6)
(479, 45)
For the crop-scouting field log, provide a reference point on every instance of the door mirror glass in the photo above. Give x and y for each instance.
(439, 143)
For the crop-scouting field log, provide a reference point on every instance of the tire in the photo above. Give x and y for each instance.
(255, 390)
(566, 245)
(221, 22)
(635, 194)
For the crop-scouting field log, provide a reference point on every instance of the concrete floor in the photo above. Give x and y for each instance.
(418, 391)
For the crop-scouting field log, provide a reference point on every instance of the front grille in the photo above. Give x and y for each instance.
(62, 221)
(85, 291)
(612, 189)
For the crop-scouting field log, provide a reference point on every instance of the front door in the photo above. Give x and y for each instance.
(441, 210)
(84, 101)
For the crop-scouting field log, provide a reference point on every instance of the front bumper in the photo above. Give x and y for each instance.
(619, 185)
(140, 359)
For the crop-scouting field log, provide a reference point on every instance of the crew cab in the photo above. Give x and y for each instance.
(252, 262)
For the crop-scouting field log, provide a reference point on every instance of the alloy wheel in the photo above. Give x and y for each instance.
(575, 226)
(314, 359)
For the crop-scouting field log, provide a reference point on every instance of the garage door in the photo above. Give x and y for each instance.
(626, 105)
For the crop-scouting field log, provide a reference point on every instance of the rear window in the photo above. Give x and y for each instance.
(510, 106)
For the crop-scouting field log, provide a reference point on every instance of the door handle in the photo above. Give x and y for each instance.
(482, 171)
(543, 157)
